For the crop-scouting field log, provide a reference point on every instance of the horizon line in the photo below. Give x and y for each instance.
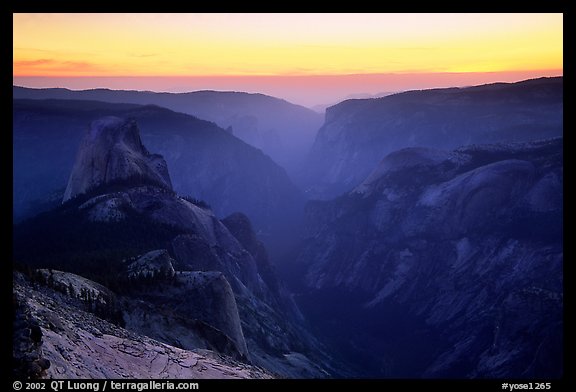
(305, 90)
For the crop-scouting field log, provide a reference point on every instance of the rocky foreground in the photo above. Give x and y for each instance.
(55, 339)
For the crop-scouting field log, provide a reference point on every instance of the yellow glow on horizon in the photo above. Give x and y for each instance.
(282, 44)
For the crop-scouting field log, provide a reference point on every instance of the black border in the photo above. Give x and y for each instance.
(568, 380)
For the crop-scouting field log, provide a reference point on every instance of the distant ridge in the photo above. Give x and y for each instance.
(205, 161)
(282, 130)
(358, 133)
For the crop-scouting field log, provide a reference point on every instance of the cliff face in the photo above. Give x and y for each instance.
(455, 257)
(206, 162)
(112, 151)
(358, 133)
(181, 276)
(73, 343)
(280, 129)
(164, 311)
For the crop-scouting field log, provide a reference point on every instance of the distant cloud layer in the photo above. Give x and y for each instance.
(56, 66)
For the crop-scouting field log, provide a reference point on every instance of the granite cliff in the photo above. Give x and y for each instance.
(444, 263)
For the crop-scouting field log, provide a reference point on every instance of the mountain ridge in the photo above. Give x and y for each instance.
(285, 131)
(357, 134)
(178, 275)
(434, 254)
(206, 162)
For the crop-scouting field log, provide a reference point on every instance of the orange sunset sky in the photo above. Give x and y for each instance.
(307, 59)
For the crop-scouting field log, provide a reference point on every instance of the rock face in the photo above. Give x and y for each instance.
(192, 310)
(282, 130)
(181, 276)
(77, 344)
(156, 263)
(112, 151)
(240, 227)
(449, 263)
(28, 361)
(74, 285)
(358, 133)
(206, 162)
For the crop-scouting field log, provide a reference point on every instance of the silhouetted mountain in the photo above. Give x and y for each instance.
(444, 264)
(174, 272)
(321, 108)
(282, 130)
(119, 155)
(358, 133)
(205, 161)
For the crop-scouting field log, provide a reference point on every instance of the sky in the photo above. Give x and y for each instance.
(308, 59)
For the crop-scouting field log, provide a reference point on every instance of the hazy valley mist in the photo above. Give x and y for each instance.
(409, 233)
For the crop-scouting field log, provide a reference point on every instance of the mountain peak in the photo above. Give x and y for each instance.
(113, 125)
(111, 151)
